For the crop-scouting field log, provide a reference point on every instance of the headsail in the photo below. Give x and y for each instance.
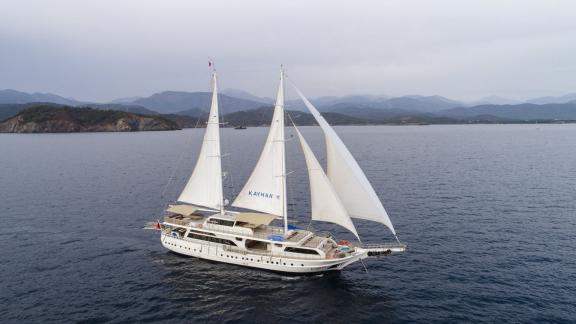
(205, 185)
(326, 205)
(348, 180)
(265, 190)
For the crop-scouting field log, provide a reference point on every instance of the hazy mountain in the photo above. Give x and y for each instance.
(262, 117)
(359, 99)
(195, 112)
(185, 121)
(241, 94)
(9, 96)
(548, 100)
(175, 101)
(11, 110)
(495, 100)
(517, 112)
(408, 103)
(123, 107)
(421, 103)
(366, 112)
(125, 100)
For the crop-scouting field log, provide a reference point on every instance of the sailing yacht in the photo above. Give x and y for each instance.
(199, 224)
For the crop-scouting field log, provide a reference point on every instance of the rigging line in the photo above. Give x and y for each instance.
(176, 168)
(292, 196)
(308, 170)
(365, 269)
(179, 160)
(290, 188)
(228, 161)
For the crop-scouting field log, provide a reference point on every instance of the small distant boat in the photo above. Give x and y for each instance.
(240, 127)
(200, 223)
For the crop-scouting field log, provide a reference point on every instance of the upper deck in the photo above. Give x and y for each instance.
(227, 224)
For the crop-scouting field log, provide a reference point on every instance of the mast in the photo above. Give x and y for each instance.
(283, 144)
(265, 190)
(216, 120)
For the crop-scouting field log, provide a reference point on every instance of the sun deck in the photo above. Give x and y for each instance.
(266, 232)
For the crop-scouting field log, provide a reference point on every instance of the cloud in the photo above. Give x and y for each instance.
(99, 50)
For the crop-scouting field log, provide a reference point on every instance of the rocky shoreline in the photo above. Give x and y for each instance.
(48, 119)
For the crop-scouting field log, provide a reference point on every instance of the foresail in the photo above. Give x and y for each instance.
(265, 190)
(326, 205)
(348, 180)
(205, 185)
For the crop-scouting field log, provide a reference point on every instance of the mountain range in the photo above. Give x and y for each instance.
(180, 101)
(249, 109)
(9, 96)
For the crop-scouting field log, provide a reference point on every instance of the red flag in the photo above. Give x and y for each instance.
(158, 226)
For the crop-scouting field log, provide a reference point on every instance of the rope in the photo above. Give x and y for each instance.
(176, 168)
(179, 160)
(227, 163)
(308, 227)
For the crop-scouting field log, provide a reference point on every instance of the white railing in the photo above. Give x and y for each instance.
(269, 231)
(383, 245)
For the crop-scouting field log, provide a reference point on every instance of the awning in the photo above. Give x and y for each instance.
(185, 210)
(255, 218)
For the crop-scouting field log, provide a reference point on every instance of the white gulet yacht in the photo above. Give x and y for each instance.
(199, 225)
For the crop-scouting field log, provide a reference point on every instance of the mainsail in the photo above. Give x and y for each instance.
(265, 190)
(205, 185)
(326, 205)
(348, 180)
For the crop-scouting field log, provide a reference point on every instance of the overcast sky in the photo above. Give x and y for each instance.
(105, 49)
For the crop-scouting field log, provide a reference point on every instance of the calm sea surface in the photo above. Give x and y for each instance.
(488, 213)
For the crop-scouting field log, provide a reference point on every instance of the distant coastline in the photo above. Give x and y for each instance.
(63, 119)
(54, 118)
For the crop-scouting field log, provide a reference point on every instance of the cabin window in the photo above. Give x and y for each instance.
(239, 239)
(300, 250)
(218, 221)
(211, 239)
(203, 233)
(278, 245)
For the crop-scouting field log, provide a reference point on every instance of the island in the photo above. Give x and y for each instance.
(64, 119)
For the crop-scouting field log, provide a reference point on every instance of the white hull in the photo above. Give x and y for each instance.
(222, 253)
